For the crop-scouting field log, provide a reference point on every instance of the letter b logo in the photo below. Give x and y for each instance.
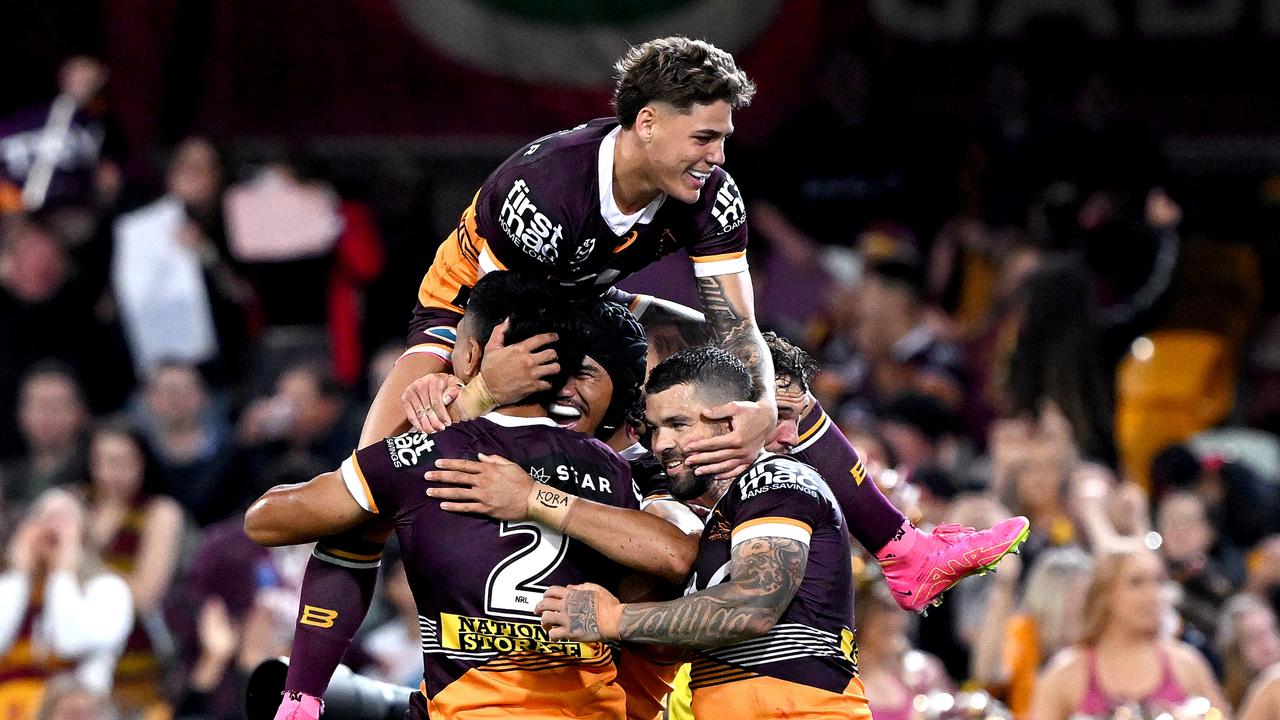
(317, 617)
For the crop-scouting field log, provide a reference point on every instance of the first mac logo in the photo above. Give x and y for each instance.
(528, 227)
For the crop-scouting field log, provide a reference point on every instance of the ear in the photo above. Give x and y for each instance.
(472, 356)
(646, 119)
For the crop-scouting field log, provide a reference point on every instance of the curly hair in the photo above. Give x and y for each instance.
(790, 360)
(678, 71)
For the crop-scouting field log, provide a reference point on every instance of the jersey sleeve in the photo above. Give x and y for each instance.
(779, 498)
(824, 447)
(385, 478)
(721, 248)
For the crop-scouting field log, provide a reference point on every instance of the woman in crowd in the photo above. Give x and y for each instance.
(1124, 657)
(1015, 643)
(893, 671)
(61, 610)
(139, 533)
(1058, 356)
(1247, 643)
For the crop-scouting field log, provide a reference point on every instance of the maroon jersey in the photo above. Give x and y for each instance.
(476, 580)
(549, 210)
(806, 663)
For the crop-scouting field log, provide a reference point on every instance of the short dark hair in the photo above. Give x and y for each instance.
(790, 360)
(680, 72)
(708, 367)
(532, 309)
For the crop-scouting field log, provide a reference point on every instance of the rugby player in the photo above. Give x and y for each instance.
(476, 580)
(589, 206)
(770, 601)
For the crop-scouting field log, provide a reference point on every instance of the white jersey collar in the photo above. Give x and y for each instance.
(618, 222)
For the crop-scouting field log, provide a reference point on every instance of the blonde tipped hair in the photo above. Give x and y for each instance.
(1047, 588)
(1097, 599)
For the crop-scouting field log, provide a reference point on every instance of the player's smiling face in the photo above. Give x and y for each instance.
(582, 403)
(675, 415)
(684, 146)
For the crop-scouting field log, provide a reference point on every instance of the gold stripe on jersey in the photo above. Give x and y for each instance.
(354, 463)
(719, 258)
(822, 424)
(772, 520)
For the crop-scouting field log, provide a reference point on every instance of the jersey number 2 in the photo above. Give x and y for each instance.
(515, 585)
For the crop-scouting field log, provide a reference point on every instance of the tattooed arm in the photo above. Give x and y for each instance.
(765, 574)
(729, 307)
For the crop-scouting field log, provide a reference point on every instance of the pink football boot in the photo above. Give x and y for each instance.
(920, 566)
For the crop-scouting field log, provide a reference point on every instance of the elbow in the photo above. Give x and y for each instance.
(680, 560)
(762, 621)
(260, 523)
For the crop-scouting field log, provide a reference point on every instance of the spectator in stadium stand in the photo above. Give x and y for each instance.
(75, 169)
(259, 589)
(1124, 656)
(1031, 468)
(179, 294)
(898, 348)
(1242, 506)
(1247, 643)
(1028, 623)
(920, 429)
(52, 418)
(138, 531)
(1058, 356)
(44, 313)
(189, 435)
(218, 641)
(306, 415)
(67, 698)
(1208, 569)
(60, 608)
(1263, 567)
(892, 669)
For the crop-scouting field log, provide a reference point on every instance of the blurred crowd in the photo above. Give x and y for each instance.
(1014, 317)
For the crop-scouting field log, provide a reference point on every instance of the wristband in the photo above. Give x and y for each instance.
(550, 506)
(474, 400)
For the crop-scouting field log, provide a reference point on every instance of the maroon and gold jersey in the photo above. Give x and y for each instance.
(476, 580)
(806, 664)
(549, 211)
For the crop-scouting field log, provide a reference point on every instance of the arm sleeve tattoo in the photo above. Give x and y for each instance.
(765, 574)
(735, 329)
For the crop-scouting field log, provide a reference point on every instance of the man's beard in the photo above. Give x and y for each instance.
(685, 485)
